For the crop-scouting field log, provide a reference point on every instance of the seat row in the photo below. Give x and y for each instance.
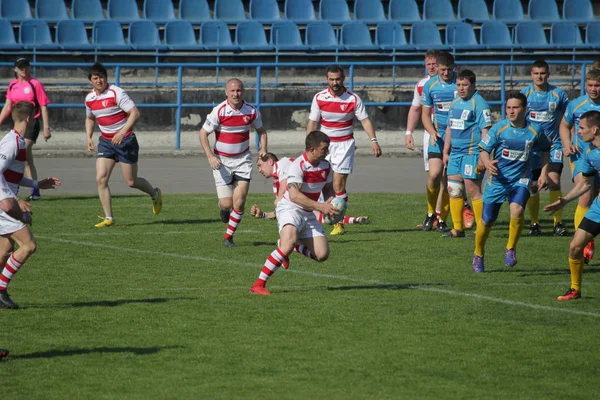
(287, 36)
(299, 11)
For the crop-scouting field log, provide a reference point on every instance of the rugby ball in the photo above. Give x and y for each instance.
(340, 204)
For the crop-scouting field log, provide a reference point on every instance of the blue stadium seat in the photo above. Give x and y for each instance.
(299, 11)
(15, 10)
(88, 11)
(35, 33)
(143, 35)
(404, 11)
(390, 35)
(545, 11)
(159, 11)
(530, 35)
(229, 11)
(107, 35)
(179, 35)
(461, 36)
(250, 36)
(508, 11)
(214, 35)
(265, 11)
(194, 11)
(566, 35)
(474, 10)
(51, 10)
(71, 35)
(356, 36)
(320, 36)
(425, 35)
(438, 11)
(124, 11)
(334, 11)
(579, 11)
(369, 11)
(285, 35)
(592, 34)
(496, 36)
(7, 36)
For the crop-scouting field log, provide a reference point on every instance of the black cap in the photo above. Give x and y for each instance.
(22, 63)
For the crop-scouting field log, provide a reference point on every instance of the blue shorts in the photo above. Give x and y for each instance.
(496, 192)
(127, 152)
(576, 161)
(555, 156)
(437, 147)
(464, 165)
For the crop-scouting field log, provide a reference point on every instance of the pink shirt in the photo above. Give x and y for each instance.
(22, 91)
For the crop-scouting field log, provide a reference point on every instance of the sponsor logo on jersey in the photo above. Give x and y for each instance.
(487, 115)
(552, 106)
(457, 124)
(343, 107)
(465, 115)
(540, 116)
(443, 106)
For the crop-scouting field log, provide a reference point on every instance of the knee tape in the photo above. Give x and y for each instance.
(456, 188)
(224, 191)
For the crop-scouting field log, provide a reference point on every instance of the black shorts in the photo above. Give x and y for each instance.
(590, 226)
(555, 167)
(127, 152)
(33, 133)
(432, 154)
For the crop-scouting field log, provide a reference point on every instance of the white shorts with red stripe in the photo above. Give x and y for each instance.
(305, 221)
(8, 224)
(240, 167)
(341, 156)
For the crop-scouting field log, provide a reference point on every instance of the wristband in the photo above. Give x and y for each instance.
(408, 133)
(35, 184)
(263, 215)
(374, 140)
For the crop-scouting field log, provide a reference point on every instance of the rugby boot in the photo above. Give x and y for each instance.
(571, 294)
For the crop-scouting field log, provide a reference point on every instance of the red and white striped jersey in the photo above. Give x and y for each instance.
(312, 177)
(13, 154)
(110, 109)
(280, 172)
(232, 128)
(418, 95)
(336, 114)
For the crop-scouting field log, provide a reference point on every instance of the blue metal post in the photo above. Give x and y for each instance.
(178, 109)
(503, 90)
(257, 101)
(351, 73)
(118, 75)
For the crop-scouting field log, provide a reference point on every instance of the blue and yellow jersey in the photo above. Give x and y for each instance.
(439, 95)
(466, 119)
(573, 114)
(546, 108)
(512, 148)
(591, 165)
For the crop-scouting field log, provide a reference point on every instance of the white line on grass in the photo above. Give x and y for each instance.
(151, 233)
(331, 276)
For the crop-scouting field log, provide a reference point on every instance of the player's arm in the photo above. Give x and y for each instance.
(257, 212)
(46, 183)
(370, 130)
(488, 163)
(90, 123)
(314, 117)
(44, 111)
(427, 123)
(282, 189)
(133, 114)
(5, 111)
(565, 137)
(447, 146)
(263, 140)
(300, 198)
(414, 114)
(213, 161)
(582, 186)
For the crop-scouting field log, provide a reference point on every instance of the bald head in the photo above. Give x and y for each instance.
(234, 91)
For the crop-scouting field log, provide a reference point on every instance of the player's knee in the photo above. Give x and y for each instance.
(29, 247)
(576, 249)
(456, 188)
(321, 255)
(130, 182)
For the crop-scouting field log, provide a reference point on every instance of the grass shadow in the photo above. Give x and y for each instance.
(138, 351)
(87, 197)
(174, 222)
(115, 303)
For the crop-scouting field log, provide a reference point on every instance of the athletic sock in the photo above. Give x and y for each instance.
(456, 210)
(304, 250)
(576, 267)
(9, 271)
(533, 206)
(235, 217)
(445, 206)
(272, 264)
(432, 195)
(514, 232)
(481, 236)
(477, 209)
(554, 195)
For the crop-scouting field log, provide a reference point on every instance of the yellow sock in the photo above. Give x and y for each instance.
(533, 206)
(579, 214)
(445, 206)
(477, 206)
(576, 267)
(456, 209)
(481, 235)
(554, 195)
(432, 195)
(514, 232)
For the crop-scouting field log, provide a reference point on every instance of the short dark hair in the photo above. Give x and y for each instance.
(593, 75)
(97, 69)
(593, 118)
(596, 64)
(541, 64)
(268, 156)
(517, 95)
(445, 58)
(335, 68)
(315, 138)
(467, 74)
(22, 110)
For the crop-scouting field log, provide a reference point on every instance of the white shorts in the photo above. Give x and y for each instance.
(9, 225)
(341, 156)
(426, 139)
(240, 167)
(305, 221)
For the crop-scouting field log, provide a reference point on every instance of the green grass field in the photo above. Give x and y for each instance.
(155, 307)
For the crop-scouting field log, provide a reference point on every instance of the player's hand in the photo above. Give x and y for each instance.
(554, 207)
(376, 149)
(445, 159)
(255, 211)
(214, 162)
(24, 206)
(569, 150)
(117, 139)
(262, 153)
(47, 134)
(90, 145)
(542, 182)
(26, 212)
(409, 142)
(491, 167)
(49, 183)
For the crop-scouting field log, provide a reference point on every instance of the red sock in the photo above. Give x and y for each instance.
(272, 264)
(305, 251)
(235, 217)
(10, 269)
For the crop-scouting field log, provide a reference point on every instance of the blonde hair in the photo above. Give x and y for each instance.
(22, 110)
